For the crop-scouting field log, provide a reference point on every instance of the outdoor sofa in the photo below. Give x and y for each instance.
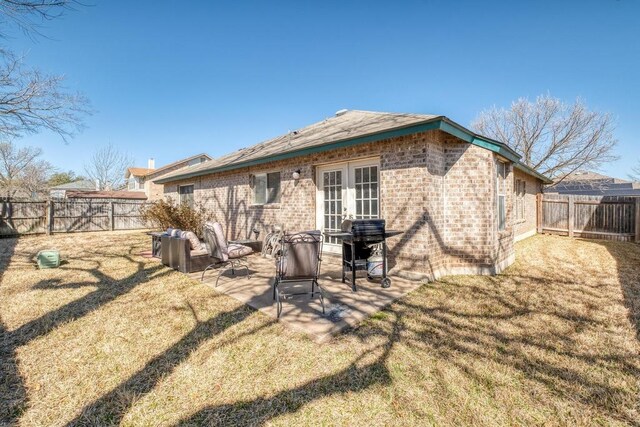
(183, 253)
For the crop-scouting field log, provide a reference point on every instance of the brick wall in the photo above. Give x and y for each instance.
(525, 228)
(437, 188)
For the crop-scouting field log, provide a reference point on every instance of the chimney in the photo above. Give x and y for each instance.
(97, 184)
(151, 164)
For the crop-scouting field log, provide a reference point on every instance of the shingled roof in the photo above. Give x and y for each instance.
(345, 128)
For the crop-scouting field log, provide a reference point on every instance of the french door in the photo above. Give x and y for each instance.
(346, 190)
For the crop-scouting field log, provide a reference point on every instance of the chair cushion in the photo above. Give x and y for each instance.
(222, 251)
(237, 251)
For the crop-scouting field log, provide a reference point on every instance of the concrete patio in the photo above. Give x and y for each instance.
(343, 308)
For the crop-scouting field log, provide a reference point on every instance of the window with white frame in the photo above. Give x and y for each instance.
(501, 190)
(266, 188)
(186, 194)
(520, 189)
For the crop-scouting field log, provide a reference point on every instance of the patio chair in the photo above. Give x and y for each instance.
(298, 262)
(226, 256)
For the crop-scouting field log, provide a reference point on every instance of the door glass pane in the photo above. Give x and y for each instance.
(332, 190)
(366, 194)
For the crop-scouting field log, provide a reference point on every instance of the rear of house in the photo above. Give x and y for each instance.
(452, 192)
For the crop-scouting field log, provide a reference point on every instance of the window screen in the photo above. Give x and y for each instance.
(186, 194)
(266, 188)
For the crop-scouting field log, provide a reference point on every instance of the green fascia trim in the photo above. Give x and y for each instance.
(526, 169)
(486, 143)
(441, 123)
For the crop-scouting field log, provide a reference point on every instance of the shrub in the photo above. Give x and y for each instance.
(163, 214)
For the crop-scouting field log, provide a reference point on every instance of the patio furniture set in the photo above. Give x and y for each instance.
(298, 256)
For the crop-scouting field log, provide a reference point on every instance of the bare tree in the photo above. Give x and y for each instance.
(35, 179)
(28, 14)
(553, 137)
(107, 167)
(31, 101)
(21, 170)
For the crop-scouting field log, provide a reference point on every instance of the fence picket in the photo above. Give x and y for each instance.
(598, 217)
(65, 216)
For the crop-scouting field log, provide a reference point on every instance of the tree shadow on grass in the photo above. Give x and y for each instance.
(532, 327)
(107, 289)
(528, 323)
(360, 375)
(627, 258)
(113, 406)
(13, 396)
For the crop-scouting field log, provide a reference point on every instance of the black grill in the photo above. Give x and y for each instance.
(364, 230)
(357, 235)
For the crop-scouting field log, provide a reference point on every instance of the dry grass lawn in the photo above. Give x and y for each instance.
(113, 338)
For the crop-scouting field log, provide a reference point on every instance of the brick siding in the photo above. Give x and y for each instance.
(438, 189)
(533, 187)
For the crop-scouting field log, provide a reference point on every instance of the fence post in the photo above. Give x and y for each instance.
(570, 210)
(49, 217)
(539, 212)
(637, 219)
(111, 216)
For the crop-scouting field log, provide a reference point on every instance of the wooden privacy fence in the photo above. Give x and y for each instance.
(593, 217)
(65, 216)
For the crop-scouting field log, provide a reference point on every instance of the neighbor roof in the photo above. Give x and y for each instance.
(347, 127)
(139, 171)
(594, 183)
(83, 184)
(593, 176)
(106, 194)
(176, 163)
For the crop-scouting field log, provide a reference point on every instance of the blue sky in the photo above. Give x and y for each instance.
(169, 79)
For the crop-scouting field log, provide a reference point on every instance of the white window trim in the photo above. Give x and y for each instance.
(187, 185)
(253, 189)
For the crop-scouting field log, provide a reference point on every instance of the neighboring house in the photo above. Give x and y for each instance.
(461, 199)
(141, 179)
(61, 191)
(588, 183)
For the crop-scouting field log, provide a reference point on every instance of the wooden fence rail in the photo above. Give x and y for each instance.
(65, 216)
(594, 217)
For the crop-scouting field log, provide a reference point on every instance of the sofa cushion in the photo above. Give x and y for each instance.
(237, 251)
(193, 240)
(203, 251)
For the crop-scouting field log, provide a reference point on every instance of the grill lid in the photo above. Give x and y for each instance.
(363, 227)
